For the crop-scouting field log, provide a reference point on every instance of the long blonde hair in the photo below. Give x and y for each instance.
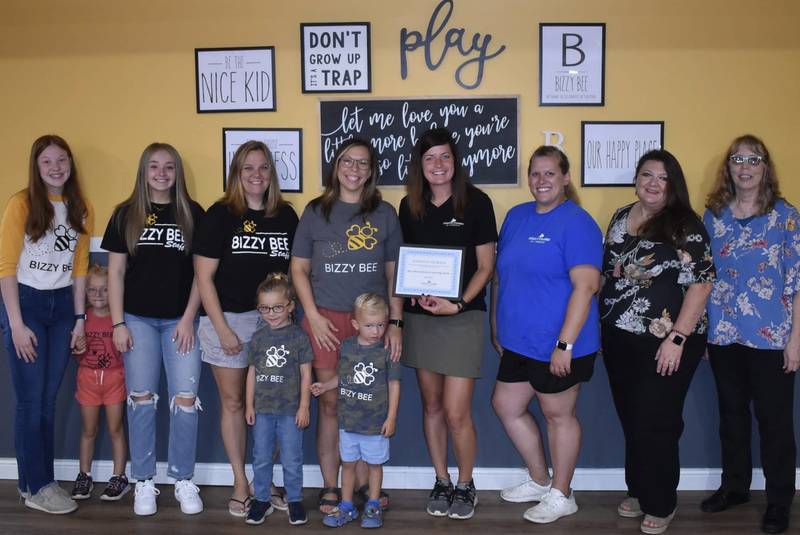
(234, 197)
(137, 207)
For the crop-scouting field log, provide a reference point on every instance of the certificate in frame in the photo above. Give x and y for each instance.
(429, 270)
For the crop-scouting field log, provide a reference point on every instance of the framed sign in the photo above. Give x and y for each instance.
(235, 79)
(336, 57)
(612, 149)
(572, 64)
(286, 145)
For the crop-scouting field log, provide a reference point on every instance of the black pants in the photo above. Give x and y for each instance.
(744, 374)
(650, 408)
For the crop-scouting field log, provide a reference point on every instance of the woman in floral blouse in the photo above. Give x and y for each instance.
(754, 337)
(657, 276)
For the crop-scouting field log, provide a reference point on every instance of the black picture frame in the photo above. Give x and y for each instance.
(305, 89)
(602, 101)
(197, 74)
(259, 135)
(631, 159)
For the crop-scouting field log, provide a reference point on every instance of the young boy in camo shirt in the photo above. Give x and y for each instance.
(369, 395)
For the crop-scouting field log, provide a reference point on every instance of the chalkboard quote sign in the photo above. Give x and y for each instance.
(485, 131)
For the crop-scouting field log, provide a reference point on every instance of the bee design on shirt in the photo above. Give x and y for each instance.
(361, 237)
(364, 373)
(151, 219)
(65, 238)
(249, 225)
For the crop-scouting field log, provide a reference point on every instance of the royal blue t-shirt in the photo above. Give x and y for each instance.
(534, 255)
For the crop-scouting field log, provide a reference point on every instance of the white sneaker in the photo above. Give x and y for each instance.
(188, 495)
(144, 498)
(552, 507)
(529, 491)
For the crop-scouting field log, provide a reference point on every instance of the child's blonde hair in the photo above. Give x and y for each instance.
(370, 302)
(275, 282)
(97, 270)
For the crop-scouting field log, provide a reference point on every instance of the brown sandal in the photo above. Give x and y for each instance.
(660, 523)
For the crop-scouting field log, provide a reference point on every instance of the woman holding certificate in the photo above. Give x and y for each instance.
(444, 339)
(549, 254)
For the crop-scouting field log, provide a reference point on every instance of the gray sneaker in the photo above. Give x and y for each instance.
(464, 501)
(440, 497)
(52, 499)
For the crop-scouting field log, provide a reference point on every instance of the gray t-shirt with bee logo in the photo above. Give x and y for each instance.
(348, 253)
(277, 355)
(364, 375)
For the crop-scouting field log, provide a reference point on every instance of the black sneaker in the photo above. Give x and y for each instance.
(83, 487)
(258, 512)
(464, 501)
(440, 497)
(116, 488)
(297, 513)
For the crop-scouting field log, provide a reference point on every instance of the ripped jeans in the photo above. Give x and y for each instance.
(152, 345)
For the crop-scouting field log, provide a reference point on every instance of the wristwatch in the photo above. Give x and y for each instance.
(563, 346)
(79, 317)
(678, 339)
(399, 323)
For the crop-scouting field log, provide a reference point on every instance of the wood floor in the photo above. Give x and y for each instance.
(597, 516)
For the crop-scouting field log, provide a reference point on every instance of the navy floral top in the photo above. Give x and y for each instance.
(758, 265)
(644, 281)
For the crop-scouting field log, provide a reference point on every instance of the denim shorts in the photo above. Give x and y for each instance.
(244, 324)
(372, 449)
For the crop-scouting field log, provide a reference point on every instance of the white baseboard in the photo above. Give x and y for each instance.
(403, 477)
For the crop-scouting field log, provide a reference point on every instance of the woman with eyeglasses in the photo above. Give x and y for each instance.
(244, 236)
(445, 339)
(754, 327)
(346, 244)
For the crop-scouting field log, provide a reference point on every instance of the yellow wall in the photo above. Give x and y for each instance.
(112, 75)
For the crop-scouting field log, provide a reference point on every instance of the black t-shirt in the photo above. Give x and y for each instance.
(158, 277)
(440, 226)
(248, 248)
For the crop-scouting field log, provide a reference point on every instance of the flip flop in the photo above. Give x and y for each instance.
(327, 502)
(363, 494)
(278, 499)
(239, 508)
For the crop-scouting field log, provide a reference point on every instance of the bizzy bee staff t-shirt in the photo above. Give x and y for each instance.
(248, 249)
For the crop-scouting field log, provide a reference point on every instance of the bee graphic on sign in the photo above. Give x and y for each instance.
(361, 237)
(65, 238)
(364, 374)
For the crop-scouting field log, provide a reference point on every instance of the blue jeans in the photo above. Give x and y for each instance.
(152, 345)
(268, 428)
(49, 314)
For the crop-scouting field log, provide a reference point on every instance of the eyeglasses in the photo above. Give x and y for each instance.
(752, 160)
(96, 291)
(266, 309)
(349, 162)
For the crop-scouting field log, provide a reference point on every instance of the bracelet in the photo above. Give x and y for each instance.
(121, 323)
(680, 333)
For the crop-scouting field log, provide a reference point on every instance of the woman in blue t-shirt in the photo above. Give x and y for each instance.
(753, 335)
(549, 255)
